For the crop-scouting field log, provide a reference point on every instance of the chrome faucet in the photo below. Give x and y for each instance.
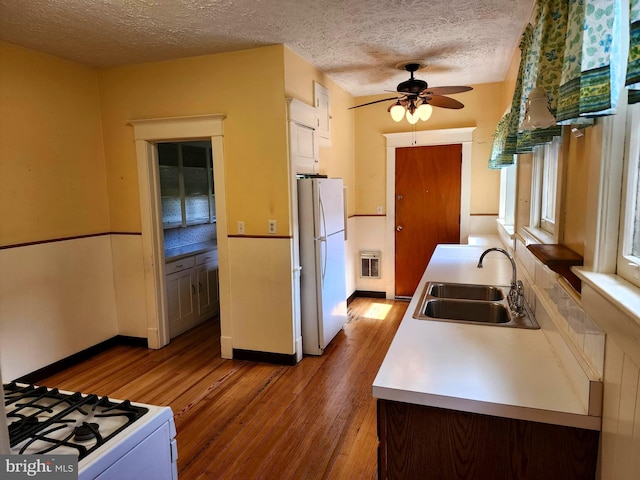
(516, 292)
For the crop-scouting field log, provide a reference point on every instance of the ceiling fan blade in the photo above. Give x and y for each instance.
(444, 90)
(376, 101)
(443, 102)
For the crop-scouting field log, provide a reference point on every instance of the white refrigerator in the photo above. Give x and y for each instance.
(323, 290)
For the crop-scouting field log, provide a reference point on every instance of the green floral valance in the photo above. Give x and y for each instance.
(592, 67)
(576, 53)
(511, 140)
(543, 67)
(498, 157)
(633, 66)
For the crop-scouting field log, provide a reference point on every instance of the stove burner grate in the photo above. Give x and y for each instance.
(38, 416)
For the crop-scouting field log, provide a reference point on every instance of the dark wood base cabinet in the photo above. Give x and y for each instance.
(422, 443)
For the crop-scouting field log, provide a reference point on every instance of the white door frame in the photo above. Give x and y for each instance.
(424, 138)
(147, 132)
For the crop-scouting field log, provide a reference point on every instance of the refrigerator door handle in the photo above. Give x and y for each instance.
(323, 238)
(323, 218)
(323, 258)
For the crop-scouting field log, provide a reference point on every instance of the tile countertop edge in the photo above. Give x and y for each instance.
(486, 408)
(423, 382)
(178, 253)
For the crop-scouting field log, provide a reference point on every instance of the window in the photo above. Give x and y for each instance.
(186, 183)
(545, 183)
(507, 212)
(629, 250)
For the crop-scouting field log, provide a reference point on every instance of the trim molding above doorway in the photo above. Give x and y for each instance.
(463, 136)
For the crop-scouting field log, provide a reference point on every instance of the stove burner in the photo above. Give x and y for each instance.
(23, 424)
(86, 431)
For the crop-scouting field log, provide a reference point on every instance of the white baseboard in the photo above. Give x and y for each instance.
(298, 349)
(226, 347)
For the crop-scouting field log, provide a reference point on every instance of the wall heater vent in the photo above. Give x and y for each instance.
(370, 264)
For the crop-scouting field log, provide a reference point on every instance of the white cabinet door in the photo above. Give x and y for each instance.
(173, 298)
(204, 298)
(303, 148)
(181, 286)
(323, 115)
(207, 289)
(303, 144)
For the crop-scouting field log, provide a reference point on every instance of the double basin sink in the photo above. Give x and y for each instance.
(466, 303)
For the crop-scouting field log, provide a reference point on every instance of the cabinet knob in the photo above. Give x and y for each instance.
(399, 228)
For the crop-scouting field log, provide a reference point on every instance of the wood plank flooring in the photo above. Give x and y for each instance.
(247, 420)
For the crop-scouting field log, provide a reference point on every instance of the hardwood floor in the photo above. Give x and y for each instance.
(246, 420)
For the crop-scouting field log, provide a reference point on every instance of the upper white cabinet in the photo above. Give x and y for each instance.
(323, 112)
(186, 184)
(303, 142)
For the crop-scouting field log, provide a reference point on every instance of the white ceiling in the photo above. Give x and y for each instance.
(356, 42)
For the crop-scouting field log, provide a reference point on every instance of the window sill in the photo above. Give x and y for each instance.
(506, 233)
(621, 293)
(560, 259)
(507, 229)
(537, 235)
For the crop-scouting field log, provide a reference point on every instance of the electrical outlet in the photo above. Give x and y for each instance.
(272, 226)
(240, 228)
(379, 210)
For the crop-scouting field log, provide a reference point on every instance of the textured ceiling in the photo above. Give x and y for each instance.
(356, 42)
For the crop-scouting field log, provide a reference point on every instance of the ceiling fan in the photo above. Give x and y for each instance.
(416, 98)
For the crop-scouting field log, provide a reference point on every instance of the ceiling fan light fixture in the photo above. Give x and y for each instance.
(537, 113)
(415, 99)
(397, 112)
(413, 118)
(424, 111)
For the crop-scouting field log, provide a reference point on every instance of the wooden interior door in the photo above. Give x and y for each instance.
(427, 207)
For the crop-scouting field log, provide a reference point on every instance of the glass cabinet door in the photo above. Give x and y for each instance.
(186, 184)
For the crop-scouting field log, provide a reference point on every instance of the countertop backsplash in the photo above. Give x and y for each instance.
(179, 237)
(564, 308)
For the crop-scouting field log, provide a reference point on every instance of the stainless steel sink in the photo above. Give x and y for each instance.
(466, 291)
(470, 310)
(471, 304)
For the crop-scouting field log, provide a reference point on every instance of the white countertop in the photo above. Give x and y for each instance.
(508, 372)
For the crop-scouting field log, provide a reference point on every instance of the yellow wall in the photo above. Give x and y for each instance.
(53, 181)
(583, 153)
(509, 84)
(482, 109)
(247, 87)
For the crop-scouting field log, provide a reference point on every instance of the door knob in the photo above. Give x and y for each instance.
(399, 228)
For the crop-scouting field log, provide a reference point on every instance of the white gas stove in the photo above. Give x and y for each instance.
(113, 439)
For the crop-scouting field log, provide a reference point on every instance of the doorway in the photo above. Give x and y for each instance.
(147, 133)
(462, 136)
(427, 208)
